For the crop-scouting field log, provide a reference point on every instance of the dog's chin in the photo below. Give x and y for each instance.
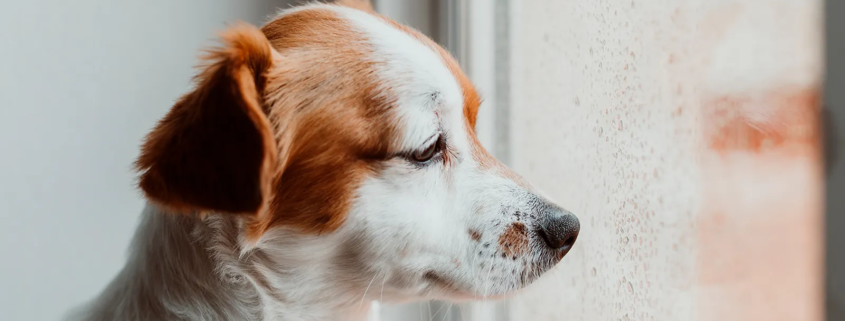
(445, 286)
(441, 287)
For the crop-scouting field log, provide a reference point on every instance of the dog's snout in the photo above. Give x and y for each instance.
(559, 229)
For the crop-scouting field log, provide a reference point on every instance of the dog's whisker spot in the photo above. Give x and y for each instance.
(475, 235)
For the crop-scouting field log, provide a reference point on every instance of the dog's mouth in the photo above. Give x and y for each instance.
(433, 277)
(446, 285)
(441, 282)
(454, 291)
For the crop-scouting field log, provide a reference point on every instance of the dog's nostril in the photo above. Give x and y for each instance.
(559, 229)
(570, 241)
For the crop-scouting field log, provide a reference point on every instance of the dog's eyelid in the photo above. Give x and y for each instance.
(429, 153)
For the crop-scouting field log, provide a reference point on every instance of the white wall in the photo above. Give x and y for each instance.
(81, 83)
(684, 136)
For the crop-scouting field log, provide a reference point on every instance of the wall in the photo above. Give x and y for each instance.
(684, 136)
(82, 82)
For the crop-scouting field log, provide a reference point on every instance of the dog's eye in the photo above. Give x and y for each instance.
(428, 153)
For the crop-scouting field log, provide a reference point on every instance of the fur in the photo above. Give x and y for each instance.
(288, 185)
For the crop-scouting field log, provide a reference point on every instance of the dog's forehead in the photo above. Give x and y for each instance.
(411, 69)
(419, 79)
(420, 83)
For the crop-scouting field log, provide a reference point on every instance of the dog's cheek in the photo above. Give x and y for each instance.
(354, 262)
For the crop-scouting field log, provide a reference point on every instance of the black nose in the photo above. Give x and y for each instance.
(559, 228)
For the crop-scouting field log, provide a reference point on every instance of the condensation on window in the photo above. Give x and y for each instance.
(684, 135)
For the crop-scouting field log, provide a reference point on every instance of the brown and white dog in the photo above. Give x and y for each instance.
(324, 161)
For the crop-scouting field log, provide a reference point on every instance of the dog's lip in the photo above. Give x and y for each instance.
(435, 278)
(456, 293)
(438, 280)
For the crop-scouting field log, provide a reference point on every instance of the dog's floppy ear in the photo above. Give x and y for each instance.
(214, 150)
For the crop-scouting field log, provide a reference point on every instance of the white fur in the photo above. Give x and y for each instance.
(411, 73)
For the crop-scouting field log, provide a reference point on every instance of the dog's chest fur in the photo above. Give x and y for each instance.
(190, 268)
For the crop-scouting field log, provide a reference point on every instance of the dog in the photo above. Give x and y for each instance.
(322, 162)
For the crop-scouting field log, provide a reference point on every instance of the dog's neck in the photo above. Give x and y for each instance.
(182, 267)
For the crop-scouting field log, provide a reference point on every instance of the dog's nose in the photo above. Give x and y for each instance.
(559, 229)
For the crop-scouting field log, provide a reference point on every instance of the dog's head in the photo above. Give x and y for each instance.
(346, 143)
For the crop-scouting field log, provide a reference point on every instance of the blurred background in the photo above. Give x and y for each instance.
(685, 134)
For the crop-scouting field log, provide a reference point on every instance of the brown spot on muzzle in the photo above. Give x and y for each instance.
(514, 241)
(475, 235)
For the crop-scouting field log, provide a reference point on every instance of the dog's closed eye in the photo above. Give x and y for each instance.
(429, 154)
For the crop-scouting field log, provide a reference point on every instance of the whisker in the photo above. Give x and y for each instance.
(383, 280)
(438, 311)
(361, 304)
(421, 312)
(487, 283)
(446, 314)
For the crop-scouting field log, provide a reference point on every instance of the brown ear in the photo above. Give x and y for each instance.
(365, 5)
(215, 150)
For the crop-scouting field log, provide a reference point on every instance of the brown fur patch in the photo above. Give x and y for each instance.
(514, 241)
(329, 117)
